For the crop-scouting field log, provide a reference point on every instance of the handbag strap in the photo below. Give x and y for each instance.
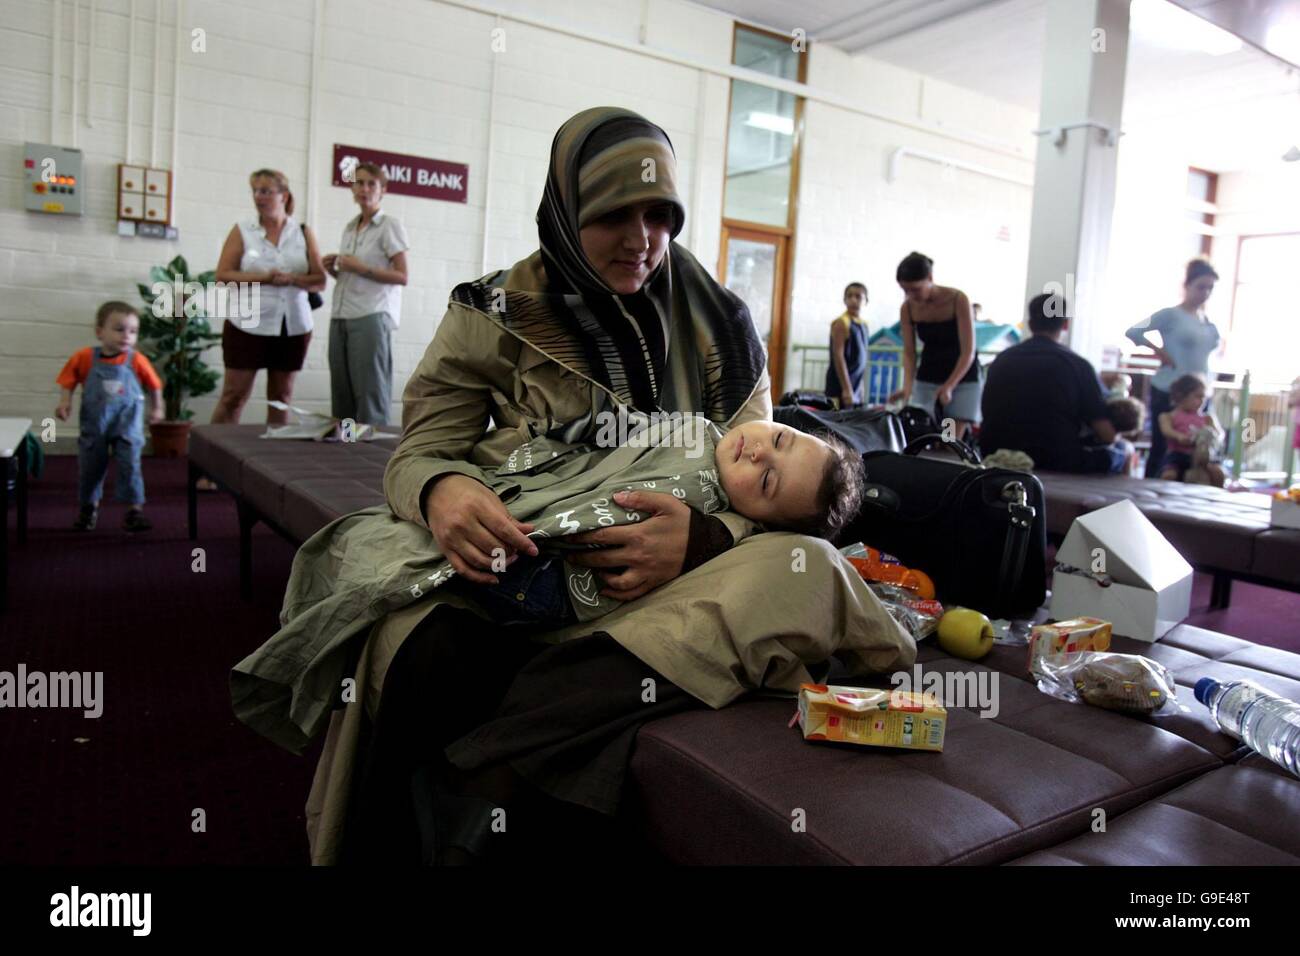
(1020, 514)
(959, 448)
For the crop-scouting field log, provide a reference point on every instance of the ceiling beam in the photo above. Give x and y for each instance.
(911, 21)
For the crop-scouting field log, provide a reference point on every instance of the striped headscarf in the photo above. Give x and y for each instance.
(680, 343)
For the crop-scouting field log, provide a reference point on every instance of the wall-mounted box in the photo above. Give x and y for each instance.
(52, 179)
(144, 194)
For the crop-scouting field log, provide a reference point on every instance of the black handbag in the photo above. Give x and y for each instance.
(314, 299)
(862, 429)
(980, 533)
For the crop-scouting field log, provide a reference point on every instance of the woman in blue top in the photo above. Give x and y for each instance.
(1187, 338)
(848, 350)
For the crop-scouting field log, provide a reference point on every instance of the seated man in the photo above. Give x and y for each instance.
(1040, 397)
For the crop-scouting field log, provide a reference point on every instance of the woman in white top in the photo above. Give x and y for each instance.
(371, 270)
(1187, 338)
(281, 257)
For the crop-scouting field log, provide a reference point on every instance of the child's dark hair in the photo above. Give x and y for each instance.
(839, 496)
(113, 308)
(1126, 414)
(914, 268)
(1184, 385)
(855, 285)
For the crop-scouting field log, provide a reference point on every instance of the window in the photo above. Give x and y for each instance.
(764, 127)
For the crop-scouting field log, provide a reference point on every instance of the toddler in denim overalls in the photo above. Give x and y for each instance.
(114, 379)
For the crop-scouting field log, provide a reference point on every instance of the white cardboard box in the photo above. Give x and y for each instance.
(1284, 514)
(1151, 589)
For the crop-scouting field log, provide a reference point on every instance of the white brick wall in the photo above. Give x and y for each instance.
(414, 76)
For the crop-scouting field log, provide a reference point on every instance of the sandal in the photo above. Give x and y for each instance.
(136, 521)
(86, 518)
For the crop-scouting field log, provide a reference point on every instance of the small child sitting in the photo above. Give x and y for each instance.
(114, 378)
(1127, 415)
(1183, 426)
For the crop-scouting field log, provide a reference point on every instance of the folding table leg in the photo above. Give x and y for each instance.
(247, 518)
(192, 500)
(22, 491)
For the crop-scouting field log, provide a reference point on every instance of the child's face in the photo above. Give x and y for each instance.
(772, 472)
(119, 332)
(1193, 401)
(854, 300)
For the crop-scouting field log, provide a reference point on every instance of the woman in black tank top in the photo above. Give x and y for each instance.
(947, 381)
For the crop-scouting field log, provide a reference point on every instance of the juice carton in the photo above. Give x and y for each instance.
(873, 718)
(1067, 637)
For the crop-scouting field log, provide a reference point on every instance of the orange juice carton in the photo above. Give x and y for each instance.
(1067, 637)
(871, 717)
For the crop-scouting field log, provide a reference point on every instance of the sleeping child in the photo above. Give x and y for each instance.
(775, 475)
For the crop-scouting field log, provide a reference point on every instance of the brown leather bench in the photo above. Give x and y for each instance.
(747, 789)
(294, 487)
(1224, 533)
(740, 786)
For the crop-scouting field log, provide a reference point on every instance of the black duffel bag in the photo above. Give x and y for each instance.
(807, 397)
(862, 429)
(980, 533)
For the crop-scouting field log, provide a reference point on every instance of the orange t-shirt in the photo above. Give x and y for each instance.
(78, 369)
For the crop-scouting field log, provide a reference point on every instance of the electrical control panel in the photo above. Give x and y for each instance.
(52, 179)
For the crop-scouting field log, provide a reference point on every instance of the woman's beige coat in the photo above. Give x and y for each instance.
(749, 618)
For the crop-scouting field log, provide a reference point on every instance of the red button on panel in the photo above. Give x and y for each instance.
(40, 187)
(29, 163)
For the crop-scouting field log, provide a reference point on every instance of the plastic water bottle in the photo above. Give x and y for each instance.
(1268, 724)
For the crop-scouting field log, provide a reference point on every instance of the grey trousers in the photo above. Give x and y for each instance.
(361, 369)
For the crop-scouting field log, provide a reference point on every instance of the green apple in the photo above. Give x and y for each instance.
(965, 633)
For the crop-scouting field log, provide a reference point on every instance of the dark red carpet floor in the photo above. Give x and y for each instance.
(123, 788)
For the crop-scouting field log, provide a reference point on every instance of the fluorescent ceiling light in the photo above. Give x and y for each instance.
(1292, 154)
(1164, 24)
(770, 121)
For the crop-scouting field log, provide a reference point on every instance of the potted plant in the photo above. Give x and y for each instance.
(174, 332)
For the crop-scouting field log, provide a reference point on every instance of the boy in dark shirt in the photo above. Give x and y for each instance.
(1039, 395)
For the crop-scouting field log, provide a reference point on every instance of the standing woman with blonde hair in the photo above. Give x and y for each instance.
(281, 255)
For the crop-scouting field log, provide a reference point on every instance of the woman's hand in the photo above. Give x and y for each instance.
(281, 278)
(846, 399)
(944, 395)
(63, 411)
(903, 394)
(650, 550)
(350, 264)
(472, 527)
(1165, 357)
(330, 262)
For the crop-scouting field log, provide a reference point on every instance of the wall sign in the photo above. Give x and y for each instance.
(407, 175)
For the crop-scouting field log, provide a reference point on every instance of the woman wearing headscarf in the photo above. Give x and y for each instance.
(1187, 338)
(446, 707)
